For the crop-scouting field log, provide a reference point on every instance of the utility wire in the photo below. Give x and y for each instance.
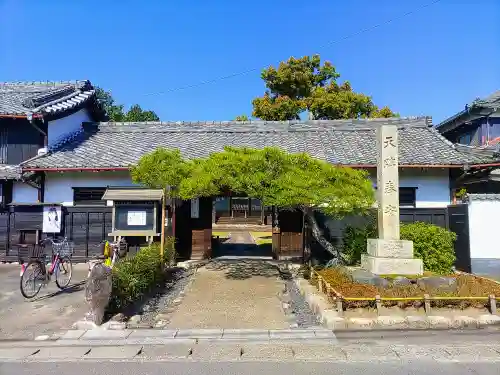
(244, 72)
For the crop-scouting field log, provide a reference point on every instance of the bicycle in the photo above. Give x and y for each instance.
(35, 272)
(118, 249)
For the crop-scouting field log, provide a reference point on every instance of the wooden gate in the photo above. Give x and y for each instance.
(458, 222)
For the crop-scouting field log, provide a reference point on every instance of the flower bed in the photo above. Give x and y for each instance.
(466, 291)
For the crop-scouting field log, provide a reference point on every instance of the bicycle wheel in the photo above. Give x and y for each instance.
(32, 279)
(64, 272)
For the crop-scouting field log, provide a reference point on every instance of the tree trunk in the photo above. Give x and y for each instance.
(318, 233)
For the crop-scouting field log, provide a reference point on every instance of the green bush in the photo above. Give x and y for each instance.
(431, 243)
(135, 276)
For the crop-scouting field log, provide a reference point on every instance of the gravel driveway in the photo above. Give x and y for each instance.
(50, 312)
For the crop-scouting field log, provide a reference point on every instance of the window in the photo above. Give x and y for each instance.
(88, 196)
(407, 196)
(465, 139)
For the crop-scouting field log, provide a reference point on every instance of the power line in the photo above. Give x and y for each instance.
(244, 72)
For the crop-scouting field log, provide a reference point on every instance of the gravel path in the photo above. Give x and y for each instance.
(305, 318)
(165, 296)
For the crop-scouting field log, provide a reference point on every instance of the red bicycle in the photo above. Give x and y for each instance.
(34, 274)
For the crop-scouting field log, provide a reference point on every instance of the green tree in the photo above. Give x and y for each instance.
(242, 118)
(277, 178)
(116, 112)
(305, 84)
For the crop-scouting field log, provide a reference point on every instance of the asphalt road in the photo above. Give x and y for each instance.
(50, 312)
(250, 368)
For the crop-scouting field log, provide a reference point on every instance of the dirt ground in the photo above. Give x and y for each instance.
(50, 312)
(232, 294)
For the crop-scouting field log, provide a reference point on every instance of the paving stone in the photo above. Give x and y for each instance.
(250, 334)
(277, 334)
(16, 353)
(360, 323)
(73, 334)
(103, 334)
(216, 352)
(416, 352)
(473, 354)
(113, 352)
(369, 353)
(436, 322)
(488, 319)
(417, 322)
(324, 333)
(166, 351)
(145, 333)
(464, 322)
(67, 352)
(331, 319)
(200, 333)
(391, 321)
(267, 351)
(318, 352)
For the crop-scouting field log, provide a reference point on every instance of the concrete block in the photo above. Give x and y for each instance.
(368, 353)
(438, 322)
(246, 334)
(114, 352)
(200, 333)
(390, 248)
(462, 322)
(360, 323)
(105, 334)
(318, 352)
(68, 352)
(488, 320)
(166, 351)
(84, 325)
(417, 352)
(280, 334)
(267, 351)
(332, 320)
(324, 334)
(417, 322)
(391, 321)
(16, 353)
(73, 334)
(317, 303)
(387, 266)
(151, 333)
(216, 352)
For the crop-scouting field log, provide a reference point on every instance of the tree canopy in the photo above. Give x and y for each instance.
(117, 112)
(242, 118)
(272, 175)
(305, 84)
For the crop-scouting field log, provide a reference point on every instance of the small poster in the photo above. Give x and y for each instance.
(195, 208)
(51, 219)
(136, 218)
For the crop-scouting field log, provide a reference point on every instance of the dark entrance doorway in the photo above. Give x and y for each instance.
(240, 210)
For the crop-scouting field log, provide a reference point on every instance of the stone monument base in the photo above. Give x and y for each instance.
(392, 266)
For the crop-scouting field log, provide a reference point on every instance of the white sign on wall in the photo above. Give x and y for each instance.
(51, 219)
(195, 208)
(136, 218)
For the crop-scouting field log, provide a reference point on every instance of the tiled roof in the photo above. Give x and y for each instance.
(482, 197)
(343, 142)
(491, 102)
(10, 172)
(38, 98)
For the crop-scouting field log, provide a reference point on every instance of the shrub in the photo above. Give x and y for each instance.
(135, 276)
(433, 244)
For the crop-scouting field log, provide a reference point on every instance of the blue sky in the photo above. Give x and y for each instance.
(430, 63)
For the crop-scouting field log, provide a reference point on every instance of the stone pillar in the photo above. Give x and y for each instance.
(388, 254)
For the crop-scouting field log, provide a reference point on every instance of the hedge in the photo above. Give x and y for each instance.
(134, 277)
(431, 243)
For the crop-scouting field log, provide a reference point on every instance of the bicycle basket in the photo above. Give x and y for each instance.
(64, 248)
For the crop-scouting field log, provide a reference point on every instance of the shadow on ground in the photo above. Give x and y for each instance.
(70, 289)
(241, 269)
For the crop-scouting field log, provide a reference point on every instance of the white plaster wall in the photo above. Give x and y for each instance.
(61, 128)
(483, 228)
(24, 193)
(59, 186)
(433, 185)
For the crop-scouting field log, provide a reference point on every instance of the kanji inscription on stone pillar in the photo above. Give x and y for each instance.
(388, 253)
